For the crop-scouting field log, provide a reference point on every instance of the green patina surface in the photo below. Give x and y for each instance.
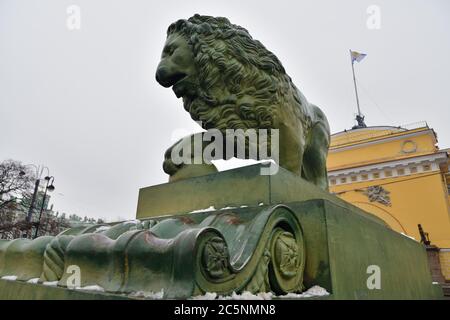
(353, 244)
(243, 186)
(228, 80)
(282, 248)
(185, 255)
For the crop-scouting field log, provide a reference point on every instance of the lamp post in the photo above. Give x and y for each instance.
(49, 187)
(39, 171)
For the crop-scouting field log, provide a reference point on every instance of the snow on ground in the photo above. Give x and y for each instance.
(132, 221)
(91, 288)
(211, 208)
(246, 295)
(412, 238)
(206, 296)
(314, 291)
(149, 295)
(102, 228)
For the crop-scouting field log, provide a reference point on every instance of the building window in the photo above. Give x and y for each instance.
(343, 180)
(413, 169)
(401, 171)
(354, 178)
(364, 176)
(388, 173)
(426, 167)
(333, 182)
(376, 175)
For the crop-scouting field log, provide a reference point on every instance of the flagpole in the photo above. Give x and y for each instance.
(359, 117)
(354, 82)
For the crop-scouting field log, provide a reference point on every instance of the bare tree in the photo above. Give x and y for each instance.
(15, 181)
(16, 196)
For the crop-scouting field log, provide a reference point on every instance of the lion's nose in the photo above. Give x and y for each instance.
(162, 77)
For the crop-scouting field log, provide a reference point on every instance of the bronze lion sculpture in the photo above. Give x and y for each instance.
(228, 80)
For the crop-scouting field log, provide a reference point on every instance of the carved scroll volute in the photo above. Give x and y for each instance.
(287, 265)
(215, 258)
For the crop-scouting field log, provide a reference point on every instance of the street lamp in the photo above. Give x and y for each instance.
(49, 187)
(39, 170)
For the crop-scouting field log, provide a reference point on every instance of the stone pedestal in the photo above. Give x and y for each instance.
(227, 232)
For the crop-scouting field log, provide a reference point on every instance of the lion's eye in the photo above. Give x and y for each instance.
(169, 51)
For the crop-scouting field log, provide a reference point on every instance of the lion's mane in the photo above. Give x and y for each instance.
(231, 64)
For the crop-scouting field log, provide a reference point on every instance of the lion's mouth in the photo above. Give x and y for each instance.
(181, 85)
(177, 78)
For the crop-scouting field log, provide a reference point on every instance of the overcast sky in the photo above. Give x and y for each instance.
(85, 102)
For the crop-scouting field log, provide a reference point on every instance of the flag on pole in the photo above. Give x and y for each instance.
(356, 56)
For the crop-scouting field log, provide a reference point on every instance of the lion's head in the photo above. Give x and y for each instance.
(226, 78)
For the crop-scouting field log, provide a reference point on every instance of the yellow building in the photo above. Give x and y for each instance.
(399, 175)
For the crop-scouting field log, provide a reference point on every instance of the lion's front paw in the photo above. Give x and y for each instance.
(180, 161)
(184, 171)
(169, 166)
